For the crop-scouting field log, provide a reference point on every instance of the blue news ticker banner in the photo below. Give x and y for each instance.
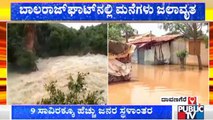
(107, 11)
(91, 112)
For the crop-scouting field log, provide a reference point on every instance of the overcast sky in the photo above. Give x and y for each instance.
(154, 27)
(141, 27)
(147, 27)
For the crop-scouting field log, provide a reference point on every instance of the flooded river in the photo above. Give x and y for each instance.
(29, 88)
(151, 82)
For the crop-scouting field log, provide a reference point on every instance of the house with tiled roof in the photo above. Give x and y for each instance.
(163, 49)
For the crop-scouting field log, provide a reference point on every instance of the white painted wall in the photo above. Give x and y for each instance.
(149, 56)
(177, 45)
(134, 58)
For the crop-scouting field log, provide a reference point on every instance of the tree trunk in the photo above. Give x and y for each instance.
(170, 57)
(199, 62)
(155, 57)
(199, 59)
(182, 63)
(30, 37)
(126, 36)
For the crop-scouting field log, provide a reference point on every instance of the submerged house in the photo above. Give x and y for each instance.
(163, 49)
(158, 50)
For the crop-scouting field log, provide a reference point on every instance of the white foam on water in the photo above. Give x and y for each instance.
(29, 88)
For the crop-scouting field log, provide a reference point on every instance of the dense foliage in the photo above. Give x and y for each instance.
(77, 94)
(120, 31)
(54, 40)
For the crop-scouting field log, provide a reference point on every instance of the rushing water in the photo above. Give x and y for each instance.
(29, 88)
(150, 83)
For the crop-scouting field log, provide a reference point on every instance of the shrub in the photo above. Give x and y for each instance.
(26, 60)
(77, 94)
(182, 54)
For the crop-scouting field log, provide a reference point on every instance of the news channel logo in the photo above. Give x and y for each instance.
(179, 100)
(190, 112)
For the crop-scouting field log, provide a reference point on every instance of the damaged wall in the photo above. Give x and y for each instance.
(119, 66)
(169, 49)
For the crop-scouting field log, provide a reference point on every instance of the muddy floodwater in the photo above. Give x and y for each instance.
(149, 83)
(29, 88)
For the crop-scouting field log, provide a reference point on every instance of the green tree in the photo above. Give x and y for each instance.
(47, 40)
(54, 41)
(21, 39)
(191, 31)
(120, 31)
(15, 40)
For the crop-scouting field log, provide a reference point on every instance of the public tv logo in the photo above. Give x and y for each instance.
(190, 111)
